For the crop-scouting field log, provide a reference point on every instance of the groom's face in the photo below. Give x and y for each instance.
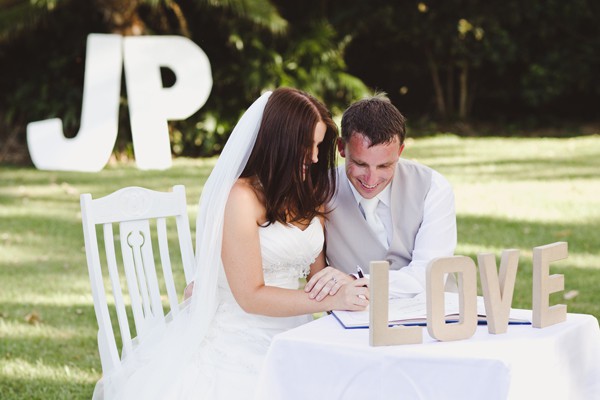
(369, 168)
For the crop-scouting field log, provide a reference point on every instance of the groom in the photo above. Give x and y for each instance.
(385, 207)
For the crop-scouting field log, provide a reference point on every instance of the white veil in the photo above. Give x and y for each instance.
(209, 225)
(162, 358)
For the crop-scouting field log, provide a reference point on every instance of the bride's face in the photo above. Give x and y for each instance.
(318, 136)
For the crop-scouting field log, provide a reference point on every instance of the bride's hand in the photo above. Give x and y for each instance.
(189, 289)
(326, 282)
(353, 296)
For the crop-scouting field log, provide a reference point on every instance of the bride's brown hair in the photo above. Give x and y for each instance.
(283, 146)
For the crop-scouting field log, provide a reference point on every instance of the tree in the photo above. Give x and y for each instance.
(451, 40)
(491, 59)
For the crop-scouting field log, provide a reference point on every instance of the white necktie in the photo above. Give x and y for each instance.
(369, 207)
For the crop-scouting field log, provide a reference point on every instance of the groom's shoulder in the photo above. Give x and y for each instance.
(415, 168)
(412, 165)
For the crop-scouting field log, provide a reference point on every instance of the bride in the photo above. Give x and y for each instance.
(260, 229)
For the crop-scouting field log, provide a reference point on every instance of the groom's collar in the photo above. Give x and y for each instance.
(385, 196)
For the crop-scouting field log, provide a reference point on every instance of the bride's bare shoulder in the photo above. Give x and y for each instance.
(244, 189)
(245, 195)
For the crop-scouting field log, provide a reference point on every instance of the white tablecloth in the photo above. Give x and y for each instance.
(321, 360)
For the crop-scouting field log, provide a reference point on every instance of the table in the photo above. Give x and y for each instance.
(321, 360)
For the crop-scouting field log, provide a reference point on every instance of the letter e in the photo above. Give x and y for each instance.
(544, 284)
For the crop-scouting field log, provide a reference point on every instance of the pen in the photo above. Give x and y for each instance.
(360, 275)
(359, 271)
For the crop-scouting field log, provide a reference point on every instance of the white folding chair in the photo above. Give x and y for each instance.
(133, 209)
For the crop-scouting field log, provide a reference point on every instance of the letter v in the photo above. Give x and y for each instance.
(498, 291)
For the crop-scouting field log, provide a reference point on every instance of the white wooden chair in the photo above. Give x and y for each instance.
(132, 209)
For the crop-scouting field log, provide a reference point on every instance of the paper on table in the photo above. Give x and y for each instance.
(413, 311)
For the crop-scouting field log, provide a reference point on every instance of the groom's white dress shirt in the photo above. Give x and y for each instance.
(417, 210)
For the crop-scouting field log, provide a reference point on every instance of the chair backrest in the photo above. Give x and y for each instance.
(132, 209)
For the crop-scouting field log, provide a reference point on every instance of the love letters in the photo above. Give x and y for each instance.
(497, 287)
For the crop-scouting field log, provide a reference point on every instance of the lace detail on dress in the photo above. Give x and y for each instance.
(288, 251)
(293, 270)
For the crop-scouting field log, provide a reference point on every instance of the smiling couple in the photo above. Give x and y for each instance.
(275, 210)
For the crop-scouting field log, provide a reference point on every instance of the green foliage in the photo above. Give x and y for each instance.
(43, 69)
(563, 61)
(509, 59)
(19, 15)
(251, 48)
(247, 59)
(529, 63)
(260, 12)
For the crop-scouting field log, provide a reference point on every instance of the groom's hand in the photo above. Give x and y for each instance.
(326, 282)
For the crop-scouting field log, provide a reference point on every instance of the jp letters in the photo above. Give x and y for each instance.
(150, 104)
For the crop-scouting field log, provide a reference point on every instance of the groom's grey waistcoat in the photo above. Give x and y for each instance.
(349, 239)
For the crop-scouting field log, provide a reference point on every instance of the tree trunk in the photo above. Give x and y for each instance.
(121, 16)
(472, 90)
(464, 92)
(450, 90)
(437, 86)
(183, 25)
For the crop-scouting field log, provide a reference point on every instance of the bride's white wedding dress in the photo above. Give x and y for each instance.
(227, 363)
(213, 349)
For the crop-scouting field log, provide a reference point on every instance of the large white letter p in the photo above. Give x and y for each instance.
(151, 105)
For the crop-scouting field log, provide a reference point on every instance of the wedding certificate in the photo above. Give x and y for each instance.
(413, 311)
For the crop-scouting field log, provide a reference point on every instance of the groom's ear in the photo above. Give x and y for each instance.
(400, 150)
(341, 147)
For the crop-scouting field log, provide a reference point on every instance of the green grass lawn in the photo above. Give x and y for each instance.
(510, 193)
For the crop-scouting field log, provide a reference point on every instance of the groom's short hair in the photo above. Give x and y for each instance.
(375, 118)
